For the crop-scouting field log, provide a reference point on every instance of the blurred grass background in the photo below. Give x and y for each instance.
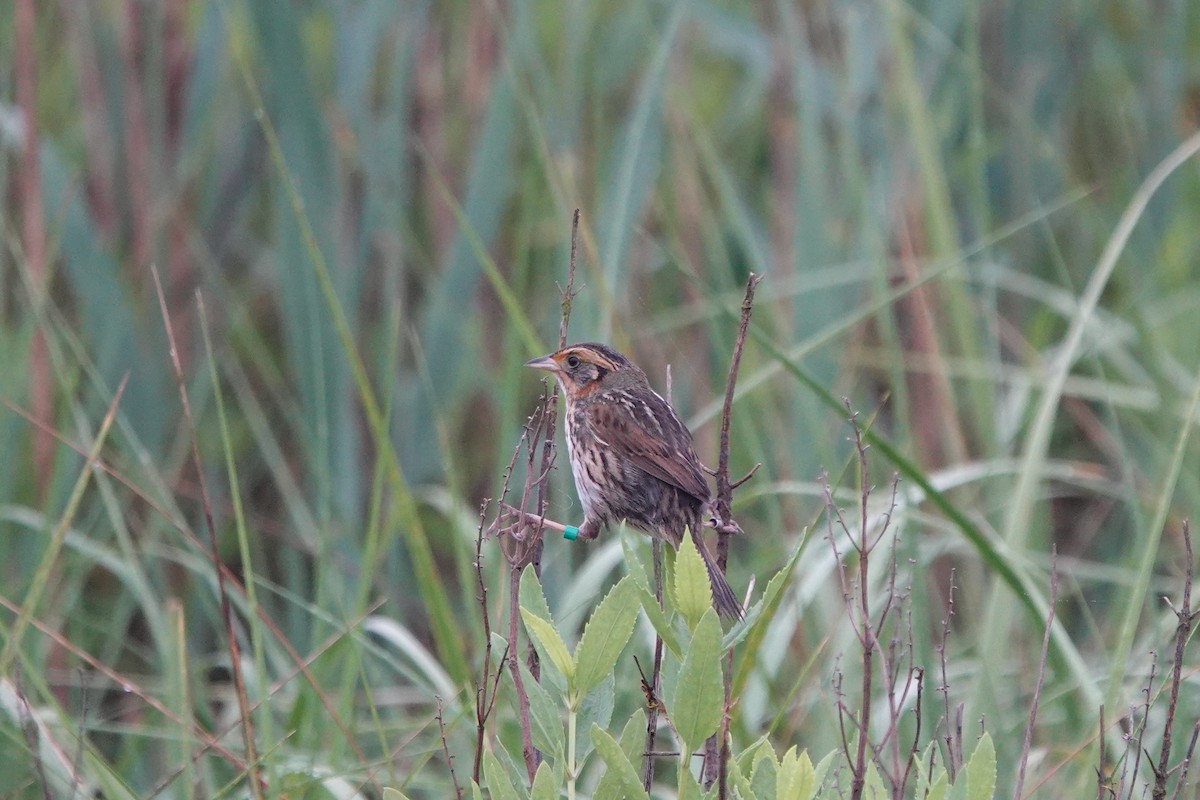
(374, 200)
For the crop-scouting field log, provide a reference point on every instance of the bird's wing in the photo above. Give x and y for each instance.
(644, 430)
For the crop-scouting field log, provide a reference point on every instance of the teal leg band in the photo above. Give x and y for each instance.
(570, 532)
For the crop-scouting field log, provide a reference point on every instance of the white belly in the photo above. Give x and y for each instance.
(581, 486)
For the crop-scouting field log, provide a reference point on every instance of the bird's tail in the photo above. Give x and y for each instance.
(724, 600)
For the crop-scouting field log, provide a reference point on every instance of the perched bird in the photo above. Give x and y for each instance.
(631, 456)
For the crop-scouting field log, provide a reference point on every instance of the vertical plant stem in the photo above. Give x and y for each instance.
(655, 674)
(1037, 694)
(572, 769)
(33, 228)
(1183, 631)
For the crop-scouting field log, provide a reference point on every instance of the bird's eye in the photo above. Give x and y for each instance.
(572, 361)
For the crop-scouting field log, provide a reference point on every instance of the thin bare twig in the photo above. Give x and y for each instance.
(1187, 760)
(725, 525)
(652, 702)
(723, 500)
(446, 749)
(1103, 781)
(1141, 724)
(1037, 692)
(33, 235)
(953, 745)
(1183, 629)
(258, 783)
(481, 690)
(522, 541)
(29, 727)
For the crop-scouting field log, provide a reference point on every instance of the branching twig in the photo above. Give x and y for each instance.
(725, 525)
(723, 500)
(521, 541)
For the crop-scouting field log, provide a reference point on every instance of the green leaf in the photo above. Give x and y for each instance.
(693, 592)
(873, 788)
(699, 697)
(499, 786)
(545, 784)
(823, 767)
(605, 635)
(393, 794)
(940, 787)
(627, 778)
(796, 778)
(633, 565)
(546, 723)
(923, 779)
(547, 636)
(764, 777)
(532, 596)
(662, 623)
(688, 789)
(738, 780)
(633, 743)
(981, 770)
(596, 707)
(776, 585)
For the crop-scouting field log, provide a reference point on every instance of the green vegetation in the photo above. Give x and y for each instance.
(976, 221)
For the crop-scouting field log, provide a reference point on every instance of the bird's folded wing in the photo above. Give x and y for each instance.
(648, 435)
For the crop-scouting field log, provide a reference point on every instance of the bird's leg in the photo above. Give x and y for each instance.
(533, 519)
(590, 529)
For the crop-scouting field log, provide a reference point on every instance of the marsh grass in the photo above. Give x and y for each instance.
(977, 221)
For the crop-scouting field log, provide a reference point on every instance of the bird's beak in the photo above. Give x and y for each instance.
(543, 362)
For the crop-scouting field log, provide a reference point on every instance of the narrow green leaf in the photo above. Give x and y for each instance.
(393, 794)
(925, 778)
(531, 595)
(547, 636)
(696, 705)
(981, 770)
(545, 783)
(546, 725)
(41, 576)
(776, 585)
(764, 777)
(693, 592)
(498, 784)
(619, 765)
(605, 635)
(596, 707)
(739, 780)
(873, 788)
(633, 565)
(689, 788)
(432, 589)
(662, 624)
(823, 767)
(940, 788)
(633, 742)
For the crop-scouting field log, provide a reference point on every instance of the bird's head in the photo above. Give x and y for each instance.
(583, 368)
